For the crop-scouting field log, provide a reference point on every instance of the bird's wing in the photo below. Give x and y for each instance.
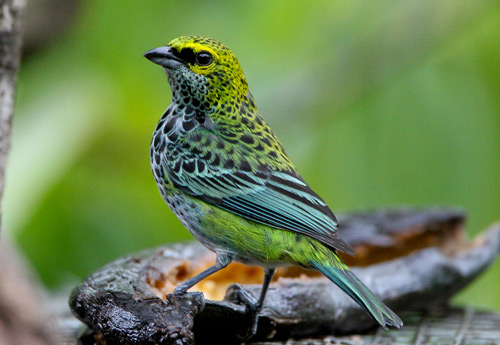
(278, 198)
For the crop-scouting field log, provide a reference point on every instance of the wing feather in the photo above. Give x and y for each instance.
(277, 198)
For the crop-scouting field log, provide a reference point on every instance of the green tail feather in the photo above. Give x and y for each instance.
(338, 273)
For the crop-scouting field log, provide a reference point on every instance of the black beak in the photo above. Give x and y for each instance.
(164, 56)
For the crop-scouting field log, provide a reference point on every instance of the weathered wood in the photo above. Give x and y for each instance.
(299, 304)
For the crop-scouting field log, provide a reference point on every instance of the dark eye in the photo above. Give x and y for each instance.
(204, 58)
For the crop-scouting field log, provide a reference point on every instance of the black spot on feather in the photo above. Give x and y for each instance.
(188, 125)
(169, 125)
(247, 138)
(216, 160)
(189, 166)
(200, 165)
(220, 144)
(157, 140)
(229, 164)
(245, 166)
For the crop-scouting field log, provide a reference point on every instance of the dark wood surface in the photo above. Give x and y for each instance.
(123, 300)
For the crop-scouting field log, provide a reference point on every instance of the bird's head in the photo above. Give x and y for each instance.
(201, 70)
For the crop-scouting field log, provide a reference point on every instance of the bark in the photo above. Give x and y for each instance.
(22, 320)
(10, 52)
(427, 261)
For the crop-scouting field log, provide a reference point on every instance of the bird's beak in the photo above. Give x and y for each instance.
(164, 56)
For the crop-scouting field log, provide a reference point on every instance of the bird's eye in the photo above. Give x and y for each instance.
(204, 58)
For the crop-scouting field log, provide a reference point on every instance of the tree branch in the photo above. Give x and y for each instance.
(10, 52)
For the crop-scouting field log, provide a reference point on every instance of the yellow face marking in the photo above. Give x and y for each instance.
(196, 48)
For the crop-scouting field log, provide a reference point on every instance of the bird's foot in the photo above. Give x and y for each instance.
(237, 294)
(252, 330)
(178, 291)
(182, 296)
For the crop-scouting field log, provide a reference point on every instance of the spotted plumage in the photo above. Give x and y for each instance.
(223, 172)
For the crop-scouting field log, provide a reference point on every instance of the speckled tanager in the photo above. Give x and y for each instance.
(224, 173)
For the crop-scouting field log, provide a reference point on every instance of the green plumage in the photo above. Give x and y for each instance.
(224, 173)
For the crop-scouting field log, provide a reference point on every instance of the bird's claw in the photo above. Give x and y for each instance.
(252, 330)
(239, 295)
(179, 292)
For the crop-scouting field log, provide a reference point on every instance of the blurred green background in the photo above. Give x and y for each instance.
(378, 103)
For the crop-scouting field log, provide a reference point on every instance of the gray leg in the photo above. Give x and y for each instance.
(221, 262)
(267, 280)
(255, 308)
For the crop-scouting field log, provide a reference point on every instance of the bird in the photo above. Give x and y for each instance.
(225, 175)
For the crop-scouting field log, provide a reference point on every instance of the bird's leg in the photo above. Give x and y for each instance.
(254, 308)
(221, 262)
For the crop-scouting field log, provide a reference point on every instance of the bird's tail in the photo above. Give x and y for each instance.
(335, 270)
